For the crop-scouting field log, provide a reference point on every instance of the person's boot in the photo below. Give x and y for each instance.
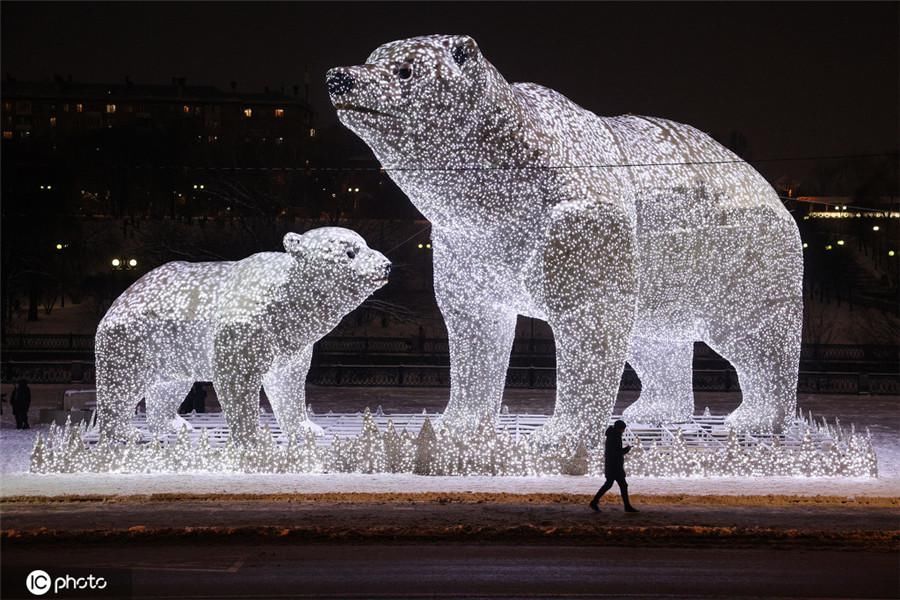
(593, 503)
(628, 507)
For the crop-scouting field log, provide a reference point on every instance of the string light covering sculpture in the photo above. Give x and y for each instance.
(631, 236)
(242, 325)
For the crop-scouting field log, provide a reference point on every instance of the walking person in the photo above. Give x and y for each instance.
(20, 400)
(614, 466)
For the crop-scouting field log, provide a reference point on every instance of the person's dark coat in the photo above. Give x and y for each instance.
(20, 400)
(614, 453)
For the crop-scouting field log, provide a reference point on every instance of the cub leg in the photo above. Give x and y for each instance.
(665, 370)
(285, 385)
(163, 400)
(590, 292)
(241, 356)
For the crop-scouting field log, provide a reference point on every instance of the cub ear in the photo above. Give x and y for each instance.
(294, 243)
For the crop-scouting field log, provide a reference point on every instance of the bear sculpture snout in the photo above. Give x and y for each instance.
(339, 82)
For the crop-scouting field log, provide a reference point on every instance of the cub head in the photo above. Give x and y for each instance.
(416, 100)
(338, 261)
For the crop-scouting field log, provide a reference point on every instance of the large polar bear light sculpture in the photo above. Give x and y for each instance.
(631, 236)
(242, 325)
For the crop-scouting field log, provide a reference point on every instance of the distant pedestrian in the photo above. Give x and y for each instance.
(199, 397)
(20, 400)
(614, 466)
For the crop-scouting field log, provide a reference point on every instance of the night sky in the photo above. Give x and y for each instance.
(807, 79)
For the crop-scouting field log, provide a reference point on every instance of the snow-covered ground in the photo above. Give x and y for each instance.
(879, 413)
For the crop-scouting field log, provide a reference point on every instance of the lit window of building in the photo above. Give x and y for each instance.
(79, 107)
(279, 113)
(312, 132)
(7, 135)
(110, 108)
(65, 108)
(248, 112)
(52, 121)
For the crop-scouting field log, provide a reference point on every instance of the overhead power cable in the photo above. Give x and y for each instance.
(311, 168)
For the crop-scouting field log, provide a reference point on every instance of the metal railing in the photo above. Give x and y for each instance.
(431, 375)
(415, 345)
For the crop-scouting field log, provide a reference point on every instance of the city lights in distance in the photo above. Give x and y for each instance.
(840, 242)
(875, 227)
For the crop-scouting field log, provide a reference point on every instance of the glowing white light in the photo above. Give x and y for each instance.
(116, 262)
(875, 228)
(59, 246)
(700, 448)
(840, 242)
(533, 213)
(242, 325)
(132, 262)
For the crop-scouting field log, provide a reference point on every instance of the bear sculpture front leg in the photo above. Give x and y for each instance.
(285, 386)
(480, 330)
(242, 355)
(590, 291)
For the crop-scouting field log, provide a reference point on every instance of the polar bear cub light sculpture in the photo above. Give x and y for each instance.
(631, 236)
(241, 325)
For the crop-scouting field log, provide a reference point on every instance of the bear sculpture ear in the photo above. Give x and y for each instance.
(293, 243)
(464, 50)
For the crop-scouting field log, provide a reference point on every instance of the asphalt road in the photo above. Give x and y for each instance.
(282, 570)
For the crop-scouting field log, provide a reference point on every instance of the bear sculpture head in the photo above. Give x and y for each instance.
(423, 101)
(338, 261)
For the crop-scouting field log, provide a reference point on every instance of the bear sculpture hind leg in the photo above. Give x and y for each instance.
(664, 368)
(766, 360)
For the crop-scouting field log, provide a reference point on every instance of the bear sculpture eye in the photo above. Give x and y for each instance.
(351, 254)
(460, 55)
(403, 72)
